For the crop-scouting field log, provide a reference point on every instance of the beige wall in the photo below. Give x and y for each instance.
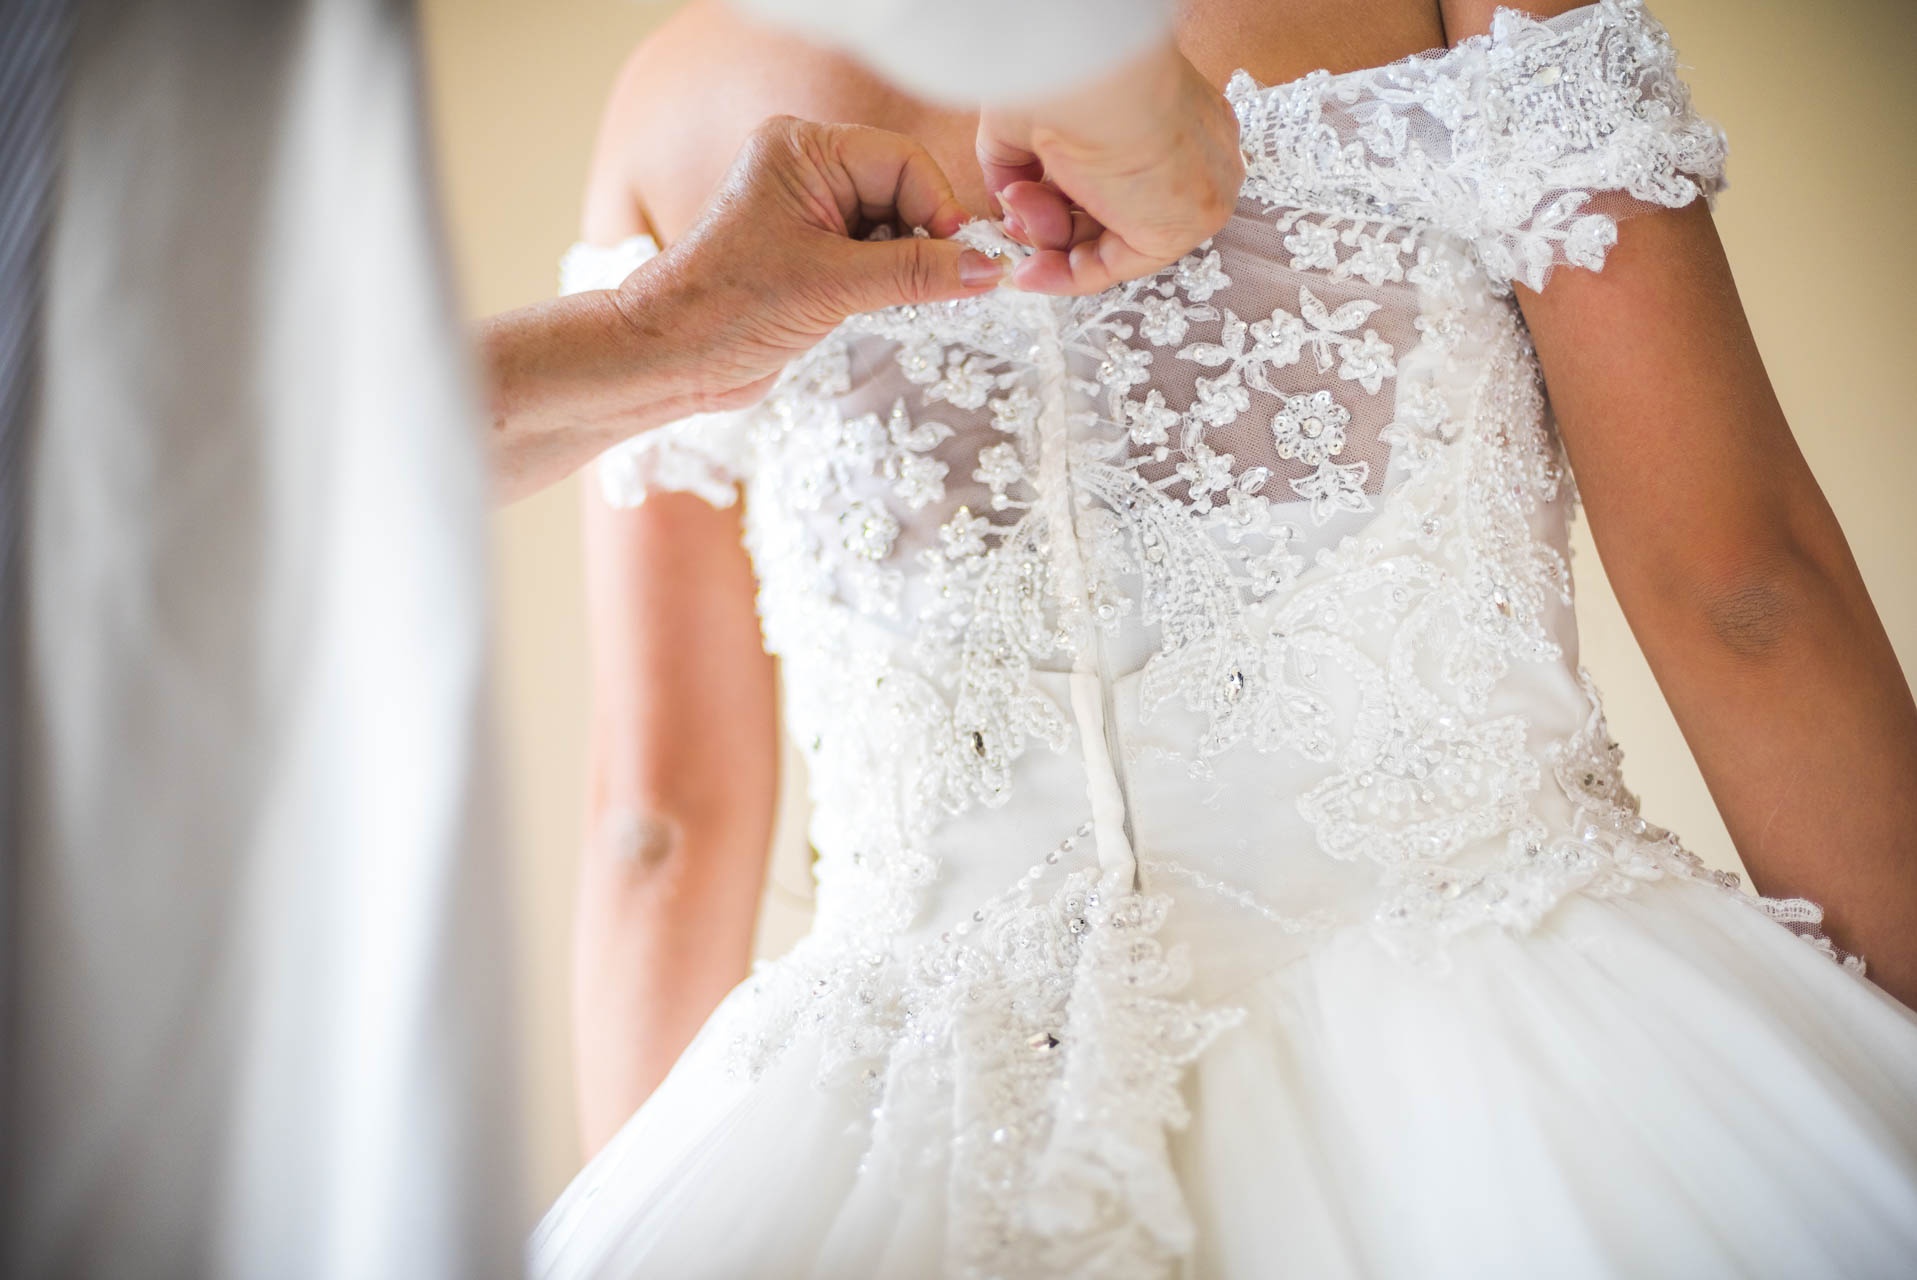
(1820, 102)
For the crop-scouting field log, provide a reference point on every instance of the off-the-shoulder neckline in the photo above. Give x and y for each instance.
(1241, 86)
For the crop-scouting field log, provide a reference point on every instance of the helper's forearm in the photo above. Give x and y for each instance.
(566, 379)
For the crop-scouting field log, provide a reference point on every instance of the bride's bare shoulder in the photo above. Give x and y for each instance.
(1465, 18)
(688, 97)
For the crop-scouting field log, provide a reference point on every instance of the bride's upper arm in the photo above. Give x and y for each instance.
(1696, 491)
(1683, 458)
(682, 690)
(1682, 455)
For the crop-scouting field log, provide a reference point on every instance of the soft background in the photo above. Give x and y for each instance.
(1819, 100)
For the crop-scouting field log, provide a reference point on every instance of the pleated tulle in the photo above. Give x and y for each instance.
(1662, 1084)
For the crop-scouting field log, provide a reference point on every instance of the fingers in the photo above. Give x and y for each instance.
(875, 177)
(1117, 179)
(893, 179)
(1004, 151)
(898, 180)
(1091, 266)
(891, 273)
(1040, 215)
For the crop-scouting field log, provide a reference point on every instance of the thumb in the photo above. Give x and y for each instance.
(891, 273)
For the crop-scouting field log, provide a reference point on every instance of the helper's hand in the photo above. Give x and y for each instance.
(778, 258)
(1116, 179)
(776, 262)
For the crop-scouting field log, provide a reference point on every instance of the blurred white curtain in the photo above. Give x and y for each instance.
(261, 961)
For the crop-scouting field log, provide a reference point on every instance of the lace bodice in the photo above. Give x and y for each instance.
(1242, 587)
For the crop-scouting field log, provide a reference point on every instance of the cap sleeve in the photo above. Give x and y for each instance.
(707, 454)
(1530, 141)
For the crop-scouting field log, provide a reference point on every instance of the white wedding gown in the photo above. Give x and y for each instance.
(1224, 869)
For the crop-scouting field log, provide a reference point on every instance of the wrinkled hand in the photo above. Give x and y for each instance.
(1117, 179)
(778, 258)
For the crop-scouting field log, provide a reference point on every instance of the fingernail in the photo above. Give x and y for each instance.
(976, 268)
(1014, 225)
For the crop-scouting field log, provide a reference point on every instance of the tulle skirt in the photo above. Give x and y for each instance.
(1665, 1083)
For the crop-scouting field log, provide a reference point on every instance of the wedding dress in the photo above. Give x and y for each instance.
(1223, 865)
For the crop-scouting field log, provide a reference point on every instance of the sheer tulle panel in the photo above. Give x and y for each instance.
(1265, 366)
(1245, 393)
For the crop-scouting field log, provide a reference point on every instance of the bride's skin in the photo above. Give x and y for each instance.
(1729, 564)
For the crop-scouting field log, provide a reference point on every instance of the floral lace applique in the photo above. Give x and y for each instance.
(1516, 141)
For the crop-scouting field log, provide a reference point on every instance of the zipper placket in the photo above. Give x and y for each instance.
(1093, 705)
